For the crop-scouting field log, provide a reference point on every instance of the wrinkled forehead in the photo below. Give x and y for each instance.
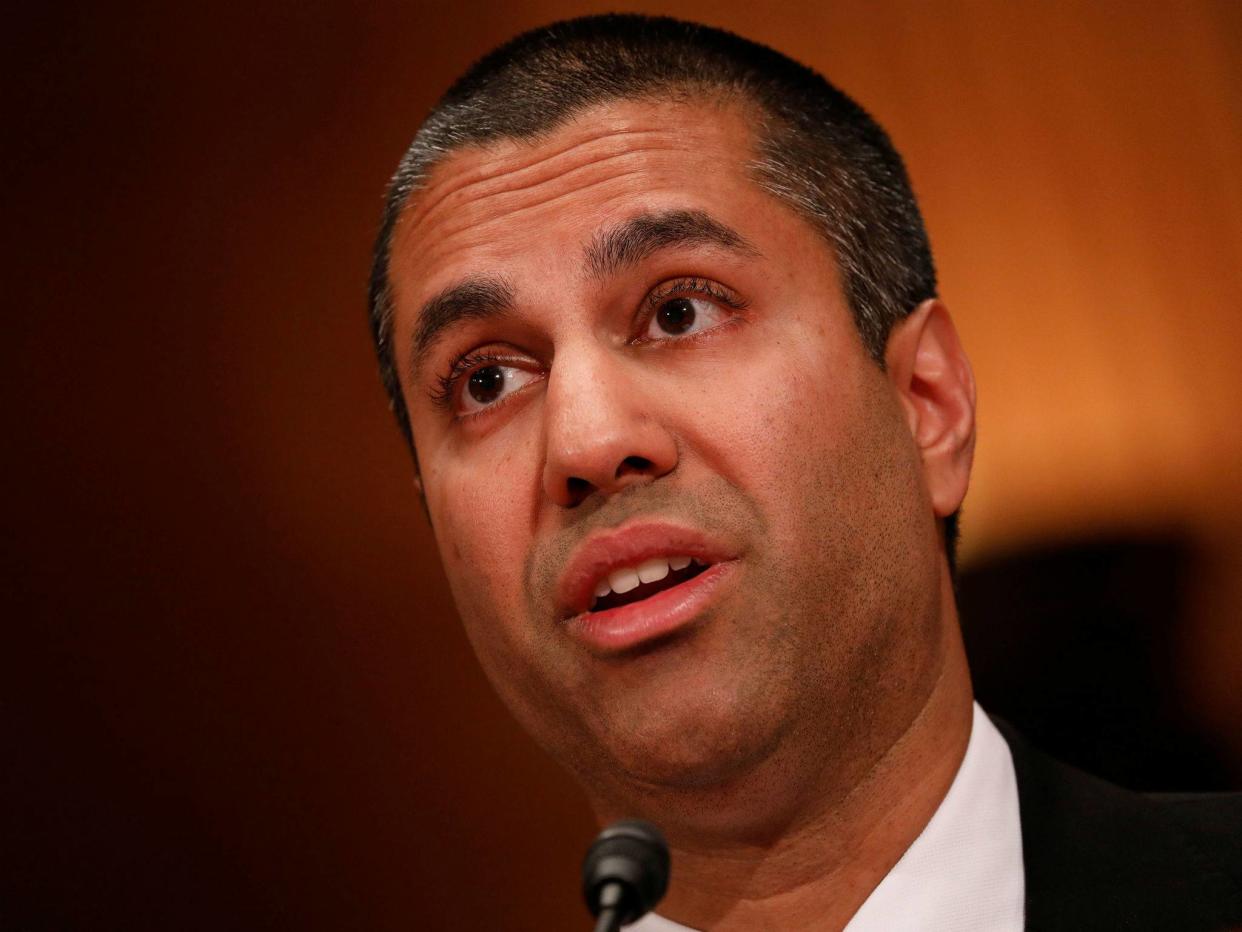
(472, 159)
(599, 157)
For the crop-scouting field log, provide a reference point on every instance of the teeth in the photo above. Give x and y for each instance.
(623, 580)
(649, 571)
(653, 570)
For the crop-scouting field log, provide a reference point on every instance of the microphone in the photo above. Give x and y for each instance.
(624, 873)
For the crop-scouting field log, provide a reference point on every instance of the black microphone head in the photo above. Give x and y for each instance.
(633, 855)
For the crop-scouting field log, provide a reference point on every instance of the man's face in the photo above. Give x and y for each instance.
(621, 355)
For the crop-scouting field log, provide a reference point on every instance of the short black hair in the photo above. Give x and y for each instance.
(816, 149)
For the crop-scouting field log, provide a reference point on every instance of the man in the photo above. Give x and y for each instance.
(657, 314)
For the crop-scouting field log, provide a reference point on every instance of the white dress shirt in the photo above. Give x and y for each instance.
(964, 871)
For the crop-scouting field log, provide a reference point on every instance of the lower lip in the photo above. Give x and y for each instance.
(627, 626)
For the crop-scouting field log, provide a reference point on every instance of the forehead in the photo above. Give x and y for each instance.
(514, 200)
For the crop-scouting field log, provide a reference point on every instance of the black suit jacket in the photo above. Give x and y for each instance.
(1101, 857)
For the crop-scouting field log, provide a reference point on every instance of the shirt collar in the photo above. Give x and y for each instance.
(964, 871)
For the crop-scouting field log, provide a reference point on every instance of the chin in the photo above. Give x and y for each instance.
(694, 746)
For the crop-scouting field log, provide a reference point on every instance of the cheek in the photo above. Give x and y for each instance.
(482, 553)
(780, 418)
(482, 537)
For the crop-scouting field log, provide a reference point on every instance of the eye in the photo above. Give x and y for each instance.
(686, 307)
(492, 383)
(683, 315)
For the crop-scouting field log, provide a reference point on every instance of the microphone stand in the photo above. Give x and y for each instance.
(609, 919)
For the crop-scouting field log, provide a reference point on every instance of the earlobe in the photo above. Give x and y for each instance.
(932, 376)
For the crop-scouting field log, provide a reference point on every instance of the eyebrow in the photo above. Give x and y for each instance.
(613, 250)
(610, 251)
(478, 297)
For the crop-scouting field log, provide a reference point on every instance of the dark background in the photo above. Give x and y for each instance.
(236, 694)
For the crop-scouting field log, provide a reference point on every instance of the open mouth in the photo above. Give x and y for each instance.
(626, 585)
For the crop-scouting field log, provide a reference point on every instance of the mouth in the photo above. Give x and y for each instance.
(630, 584)
(639, 583)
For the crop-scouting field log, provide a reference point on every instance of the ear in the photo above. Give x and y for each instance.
(931, 374)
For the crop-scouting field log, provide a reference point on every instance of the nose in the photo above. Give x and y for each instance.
(602, 433)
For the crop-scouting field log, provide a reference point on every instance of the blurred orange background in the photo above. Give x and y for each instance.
(239, 695)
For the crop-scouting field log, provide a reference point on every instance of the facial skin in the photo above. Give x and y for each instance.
(763, 427)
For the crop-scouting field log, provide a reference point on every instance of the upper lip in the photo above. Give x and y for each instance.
(603, 552)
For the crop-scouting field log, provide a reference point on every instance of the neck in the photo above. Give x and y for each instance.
(817, 865)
